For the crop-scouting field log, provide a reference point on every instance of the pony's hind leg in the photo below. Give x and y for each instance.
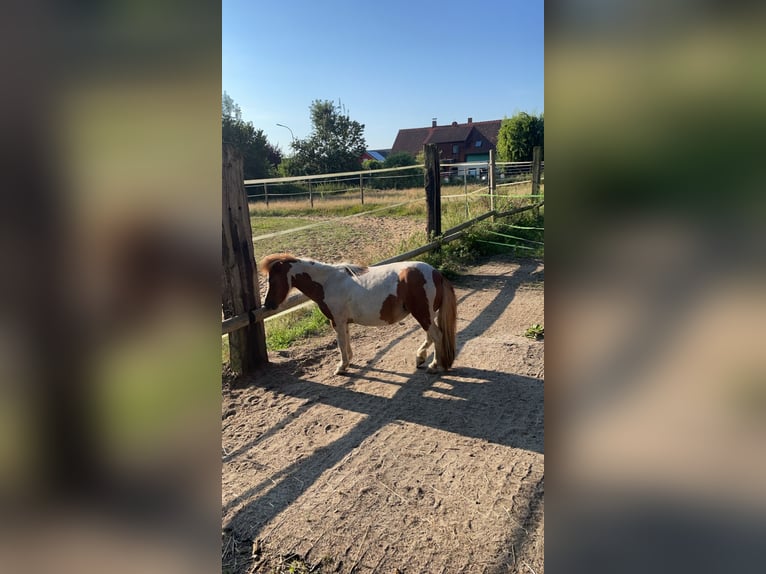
(422, 353)
(435, 335)
(349, 352)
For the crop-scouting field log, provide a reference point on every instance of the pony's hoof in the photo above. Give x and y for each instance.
(420, 362)
(340, 370)
(433, 368)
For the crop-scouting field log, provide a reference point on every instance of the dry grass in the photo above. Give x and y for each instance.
(335, 204)
(350, 203)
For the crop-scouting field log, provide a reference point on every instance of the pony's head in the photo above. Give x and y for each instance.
(277, 267)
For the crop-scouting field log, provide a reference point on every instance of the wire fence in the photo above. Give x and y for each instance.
(465, 193)
(326, 186)
(376, 182)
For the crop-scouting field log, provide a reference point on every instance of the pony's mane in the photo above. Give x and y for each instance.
(269, 260)
(351, 268)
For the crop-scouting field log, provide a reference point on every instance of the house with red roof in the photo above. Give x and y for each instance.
(456, 142)
(376, 154)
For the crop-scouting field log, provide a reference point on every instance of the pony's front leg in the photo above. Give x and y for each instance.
(344, 345)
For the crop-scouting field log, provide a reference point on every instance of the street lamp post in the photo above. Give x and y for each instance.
(291, 131)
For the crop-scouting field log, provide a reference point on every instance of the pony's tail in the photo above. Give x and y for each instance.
(447, 320)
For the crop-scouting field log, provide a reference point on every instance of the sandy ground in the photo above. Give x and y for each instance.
(390, 469)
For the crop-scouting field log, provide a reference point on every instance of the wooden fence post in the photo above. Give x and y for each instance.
(536, 157)
(465, 192)
(311, 196)
(361, 187)
(266, 193)
(240, 287)
(433, 191)
(491, 179)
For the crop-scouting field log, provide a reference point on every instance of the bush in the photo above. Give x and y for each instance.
(372, 164)
(487, 238)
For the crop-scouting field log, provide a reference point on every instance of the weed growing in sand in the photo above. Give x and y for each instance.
(536, 331)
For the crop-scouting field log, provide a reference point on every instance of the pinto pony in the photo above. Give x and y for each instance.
(373, 296)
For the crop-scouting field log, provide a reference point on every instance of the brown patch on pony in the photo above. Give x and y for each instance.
(314, 291)
(279, 285)
(393, 309)
(416, 300)
(437, 279)
(410, 298)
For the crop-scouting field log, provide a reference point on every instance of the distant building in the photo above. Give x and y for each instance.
(376, 154)
(456, 142)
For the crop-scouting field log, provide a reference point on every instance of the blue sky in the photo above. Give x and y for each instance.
(391, 64)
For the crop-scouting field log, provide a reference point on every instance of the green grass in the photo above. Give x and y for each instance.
(225, 351)
(281, 332)
(522, 233)
(335, 210)
(350, 204)
(262, 225)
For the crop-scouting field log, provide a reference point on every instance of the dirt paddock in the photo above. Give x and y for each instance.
(387, 468)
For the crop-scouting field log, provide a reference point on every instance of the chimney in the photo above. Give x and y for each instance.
(470, 120)
(433, 122)
(454, 124)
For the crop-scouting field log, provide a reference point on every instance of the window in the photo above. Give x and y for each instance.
(455, 148)
(478, 143)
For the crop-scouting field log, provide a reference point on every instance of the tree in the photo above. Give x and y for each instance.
(372, 164)
(405, 178)
(518, 135)
(260, 157)
(229, 108)
(335, 144)
(399, 159)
